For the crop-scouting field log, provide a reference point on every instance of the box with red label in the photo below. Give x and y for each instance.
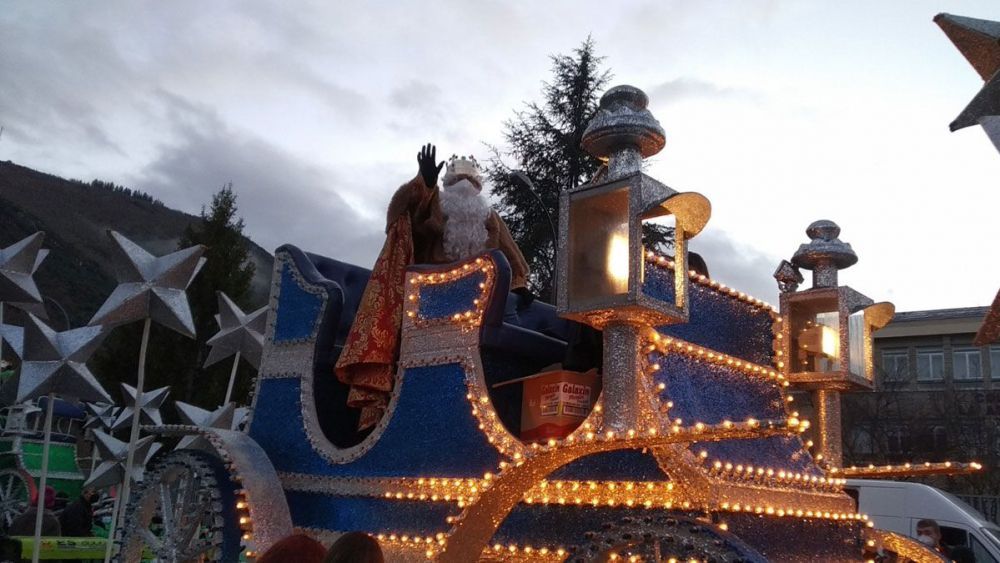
(556, 402)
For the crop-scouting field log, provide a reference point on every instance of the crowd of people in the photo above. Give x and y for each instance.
(353, 547)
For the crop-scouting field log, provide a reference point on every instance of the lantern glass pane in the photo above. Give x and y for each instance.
(857, 360)
(598, 246)
(815, 336)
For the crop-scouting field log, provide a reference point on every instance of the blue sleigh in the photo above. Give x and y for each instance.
(443, 476)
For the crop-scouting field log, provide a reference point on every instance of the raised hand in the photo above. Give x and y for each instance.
(426, 161)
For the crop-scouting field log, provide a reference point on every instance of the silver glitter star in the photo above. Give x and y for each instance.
(112, 453)
(149, 410)
(18, 263)
(239, 332)
(13, 336)
(222, 417)
(150, 286)
(55, 362)
(100, 416)
(38, 308)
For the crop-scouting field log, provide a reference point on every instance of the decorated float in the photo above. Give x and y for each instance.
(689, 449)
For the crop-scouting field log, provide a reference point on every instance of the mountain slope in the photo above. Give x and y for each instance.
(78, 273)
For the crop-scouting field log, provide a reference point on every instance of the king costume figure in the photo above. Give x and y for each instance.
(424, 225)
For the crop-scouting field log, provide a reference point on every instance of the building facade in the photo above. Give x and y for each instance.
(936, 398)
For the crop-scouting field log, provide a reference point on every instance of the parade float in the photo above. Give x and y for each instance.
(688, 445)
(690, 449)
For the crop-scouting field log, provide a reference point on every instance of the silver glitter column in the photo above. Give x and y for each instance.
(827, 404)
(622, 370)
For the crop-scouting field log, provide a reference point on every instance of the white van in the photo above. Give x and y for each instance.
(897, 507)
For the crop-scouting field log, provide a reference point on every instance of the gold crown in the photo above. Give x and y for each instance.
(462, 167)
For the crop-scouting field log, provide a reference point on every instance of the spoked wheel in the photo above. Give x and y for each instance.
(16, 489)
(660, 539)
(181, 512)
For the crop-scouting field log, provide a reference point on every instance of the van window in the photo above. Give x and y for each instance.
(954, 536)
(979, 551)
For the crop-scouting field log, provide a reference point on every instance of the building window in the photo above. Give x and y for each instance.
(930, 364)
(967, 364)
(896, 365)
(995, 362)
(898, 440)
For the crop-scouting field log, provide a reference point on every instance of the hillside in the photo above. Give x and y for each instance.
(78, 272)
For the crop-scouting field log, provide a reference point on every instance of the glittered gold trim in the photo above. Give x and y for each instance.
(902, 545)
(720, 288)
(908, 470)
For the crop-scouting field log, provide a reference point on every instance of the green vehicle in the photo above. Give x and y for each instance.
(21, 454)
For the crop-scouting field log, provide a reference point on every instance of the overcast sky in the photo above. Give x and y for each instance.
(779, 112)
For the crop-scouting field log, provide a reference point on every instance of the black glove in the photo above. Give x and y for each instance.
(428, 170)
(526, 297)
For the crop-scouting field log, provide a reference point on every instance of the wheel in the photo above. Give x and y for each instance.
(664, 538)
(16, 490)
(184, 510)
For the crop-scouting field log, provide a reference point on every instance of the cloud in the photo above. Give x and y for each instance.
(737, 265)
(281, 198)
(685, 88)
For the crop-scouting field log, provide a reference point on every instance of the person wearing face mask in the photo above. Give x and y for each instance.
(425, 224)
(929, 534)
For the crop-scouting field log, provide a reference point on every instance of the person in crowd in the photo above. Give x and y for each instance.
(24, 523)
(355, 547)
(296, 548)
(929, 534)
(77, 519)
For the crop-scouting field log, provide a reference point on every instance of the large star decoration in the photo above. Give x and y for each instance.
(979, 42)
(112, 453)
(18, 263)
(238, 332)
(55, 362)
(149, 408)
(221, 418)
(151, 287)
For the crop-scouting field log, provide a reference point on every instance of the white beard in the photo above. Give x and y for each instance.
(466, 212)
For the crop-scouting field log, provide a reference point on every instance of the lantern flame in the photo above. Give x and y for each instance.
(617, 266)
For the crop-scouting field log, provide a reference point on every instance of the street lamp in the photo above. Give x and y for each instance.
(601, 257)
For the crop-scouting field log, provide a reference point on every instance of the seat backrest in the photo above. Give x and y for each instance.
(352, 280)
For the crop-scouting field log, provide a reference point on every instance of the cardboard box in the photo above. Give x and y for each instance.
(556, 402)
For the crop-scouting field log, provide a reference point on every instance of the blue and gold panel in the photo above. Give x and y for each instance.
(623, 465)
(721, 319)
(432, 431)
(454, 297)
(711, 393)
(796, 539)
(373, 515)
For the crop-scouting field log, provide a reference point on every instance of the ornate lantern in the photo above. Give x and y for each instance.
(600, 223)
(825, 340)
(601, 256)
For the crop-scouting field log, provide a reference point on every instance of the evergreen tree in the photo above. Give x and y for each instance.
(543, 140)
(227, 269)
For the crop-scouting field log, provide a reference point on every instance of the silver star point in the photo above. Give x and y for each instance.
(18, 263)
(112, 454)
(238, 332)
(149, 409)
(151, 287)
(222, 418)
(56, 362)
